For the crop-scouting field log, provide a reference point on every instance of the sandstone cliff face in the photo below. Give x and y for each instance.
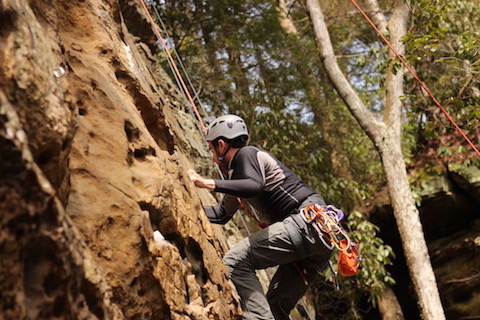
(95, 142)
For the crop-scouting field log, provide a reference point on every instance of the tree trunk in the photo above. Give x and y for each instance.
(341, 164)
(369, 124)
(236, 71)
(213, 78)
(377, 15)
(387, 139)
(389, 307)
(410, 229)
(285, 21)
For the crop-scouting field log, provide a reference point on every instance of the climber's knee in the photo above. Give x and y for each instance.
(237, 257)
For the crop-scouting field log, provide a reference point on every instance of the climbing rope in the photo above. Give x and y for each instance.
(177, 56)
(420, 82)
(253, 216)
(190, 99)
(174, 65)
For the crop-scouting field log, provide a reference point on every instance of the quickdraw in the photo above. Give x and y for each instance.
(327, 224)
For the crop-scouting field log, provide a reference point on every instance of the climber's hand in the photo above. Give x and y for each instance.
(200, 181)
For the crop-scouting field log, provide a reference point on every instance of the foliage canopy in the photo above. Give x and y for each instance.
(242, 61)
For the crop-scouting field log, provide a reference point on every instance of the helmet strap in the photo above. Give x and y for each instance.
(223, 163)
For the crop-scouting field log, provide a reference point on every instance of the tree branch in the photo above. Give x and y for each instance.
(394, 81)
(287, 24)
(377, 16)
(369, 124)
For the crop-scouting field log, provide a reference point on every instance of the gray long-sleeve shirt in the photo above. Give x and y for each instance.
(261, 180)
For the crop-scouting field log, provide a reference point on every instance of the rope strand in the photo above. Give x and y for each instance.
(170, 58)
(196, 97)
(416, 77)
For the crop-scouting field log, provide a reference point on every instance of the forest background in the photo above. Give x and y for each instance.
(259, 59)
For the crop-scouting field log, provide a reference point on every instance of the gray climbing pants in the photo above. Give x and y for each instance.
(283, 243)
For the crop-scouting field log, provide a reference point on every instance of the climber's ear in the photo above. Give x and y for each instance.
(222, 146)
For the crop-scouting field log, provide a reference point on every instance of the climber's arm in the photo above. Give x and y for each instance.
(223, 212)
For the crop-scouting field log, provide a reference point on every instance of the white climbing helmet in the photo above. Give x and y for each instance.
(228, 126)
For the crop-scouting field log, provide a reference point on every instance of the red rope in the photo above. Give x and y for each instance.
(415, 76)
(244, 207)
(172, 61)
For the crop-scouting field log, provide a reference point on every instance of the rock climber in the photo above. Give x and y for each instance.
(277, 194)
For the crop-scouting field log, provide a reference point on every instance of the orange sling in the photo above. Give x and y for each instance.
(348, 258)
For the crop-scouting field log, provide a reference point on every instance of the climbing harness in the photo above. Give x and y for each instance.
(326, 223)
